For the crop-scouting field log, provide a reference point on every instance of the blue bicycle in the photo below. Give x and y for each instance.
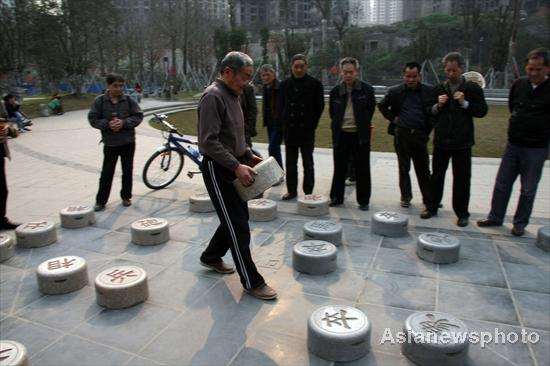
(166, 164)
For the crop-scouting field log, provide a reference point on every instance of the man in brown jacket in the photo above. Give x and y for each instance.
(226, 158)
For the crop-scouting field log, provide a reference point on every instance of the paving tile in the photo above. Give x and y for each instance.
(219, 323)
(497, 350)
(128, 329)
(523, 254)
(114, 219)
(341, 284)
(356, 257)
(541, 349)
(9, 273)
(19, 292)
(357, 235)
(70, 351)
(62, 312)
(409, 292)
(33, 336)
(162, 254)
(528, 277)
(177, 288)
(475, 272)
(267, 348)
(377, 358)
(197, 228)
(407, 242)
(386, 323)
(534, 309)
(403, 262)
(112, 243)
(477, 302)
(141, 361)
(79, 237)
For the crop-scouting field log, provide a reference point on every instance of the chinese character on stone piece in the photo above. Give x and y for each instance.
(119, 274)
(315, 247)
(262, 202)
(322, 225)
(437, 326)
(389, 215)
(338, 318)
(35, 225)
(149, 222)
(3, 357)
(76, 208)
(57, 264)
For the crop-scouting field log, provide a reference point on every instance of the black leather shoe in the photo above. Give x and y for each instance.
(127, 202)
(288, 196)
(8, 225)
(518, 231)
(335, 202)
(99, 207)
(364, 207)
(426, 214)
(462, 221)
(405, 203)
(487, 223)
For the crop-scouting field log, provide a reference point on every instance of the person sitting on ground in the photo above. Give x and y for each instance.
(15, 115)
(55, 105)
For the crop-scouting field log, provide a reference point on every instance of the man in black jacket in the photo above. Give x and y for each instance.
(302, 104)
(116, 115)
(250, 112)
(351, 106)
(528, 138)
(408, 108)
(455, 104)
(271, 106)
(5, 131)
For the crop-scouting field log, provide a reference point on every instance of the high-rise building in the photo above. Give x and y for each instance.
(386, 11)
(360, 12)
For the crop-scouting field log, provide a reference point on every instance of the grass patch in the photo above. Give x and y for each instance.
(490, 133)
(31, 105)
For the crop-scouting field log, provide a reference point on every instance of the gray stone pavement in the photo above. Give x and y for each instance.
(196, 317)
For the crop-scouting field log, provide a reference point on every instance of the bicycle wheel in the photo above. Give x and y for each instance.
(162, 168)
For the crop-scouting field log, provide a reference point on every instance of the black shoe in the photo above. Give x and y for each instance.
(487, 223)
(364, 207)
(518, 231)
(406, 203)
(99, 207)
(462, 221)
(8, 225)
(426, 214)
(27, 129)
(28, 123)
(288, 196)
(335, 202)
(127, 202)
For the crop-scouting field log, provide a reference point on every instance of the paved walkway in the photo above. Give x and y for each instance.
(196, 317)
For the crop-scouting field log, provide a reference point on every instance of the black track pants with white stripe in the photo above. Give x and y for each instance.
(233, 233)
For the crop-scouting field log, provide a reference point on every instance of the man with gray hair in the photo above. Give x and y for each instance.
(351, 106)
(455, 104)
(226, 158)
(271, 111)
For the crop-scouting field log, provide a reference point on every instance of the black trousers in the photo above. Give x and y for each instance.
(291, 155)
(110, 157)
(348, 145)
(3, 190)
(462, 172)
(233, 233)
(412, 145)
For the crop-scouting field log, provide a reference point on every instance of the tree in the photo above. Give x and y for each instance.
(264, 39)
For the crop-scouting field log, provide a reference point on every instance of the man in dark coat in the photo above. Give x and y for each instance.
(351, 106)
(270, 109)
(408, 108)
(527, 147)
(302, 104)
(455, 104)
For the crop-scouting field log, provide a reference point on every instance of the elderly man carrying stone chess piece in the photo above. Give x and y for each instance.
(226, 157)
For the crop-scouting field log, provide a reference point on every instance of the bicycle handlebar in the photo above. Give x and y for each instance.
(172, 129)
